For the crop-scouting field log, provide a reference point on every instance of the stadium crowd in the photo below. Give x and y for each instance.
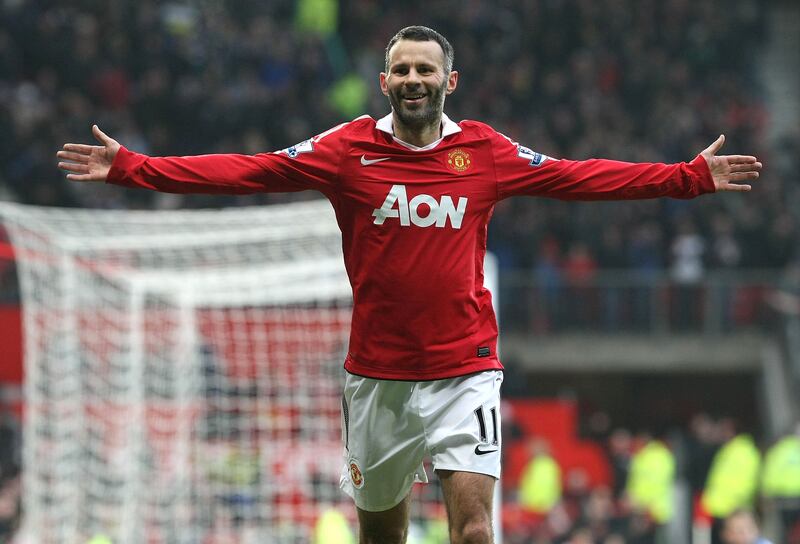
(722, 468)
(639, 81)
(645, 81)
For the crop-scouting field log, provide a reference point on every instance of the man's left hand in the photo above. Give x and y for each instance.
(728, 171)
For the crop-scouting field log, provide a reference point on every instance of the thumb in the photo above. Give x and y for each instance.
(101, 136)
(714, 147)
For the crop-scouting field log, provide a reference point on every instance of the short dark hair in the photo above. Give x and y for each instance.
(423, 34)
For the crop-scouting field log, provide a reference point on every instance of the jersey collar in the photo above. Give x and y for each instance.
(448, 127)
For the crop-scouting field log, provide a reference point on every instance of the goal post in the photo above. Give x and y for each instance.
(183, 373)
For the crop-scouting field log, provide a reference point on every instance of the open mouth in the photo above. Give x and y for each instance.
(413, 98)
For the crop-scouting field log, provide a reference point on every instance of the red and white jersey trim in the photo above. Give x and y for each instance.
(449, 127)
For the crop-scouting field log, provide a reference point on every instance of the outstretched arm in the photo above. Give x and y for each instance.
(311, 164)
(522, 171)
(726, 169)
(89, 162)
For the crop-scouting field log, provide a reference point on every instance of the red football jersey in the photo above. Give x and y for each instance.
(414, 223)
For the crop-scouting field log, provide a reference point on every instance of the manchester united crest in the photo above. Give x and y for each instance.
(355, 475)
(459, 160)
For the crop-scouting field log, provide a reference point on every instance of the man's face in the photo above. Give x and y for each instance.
(416, 83)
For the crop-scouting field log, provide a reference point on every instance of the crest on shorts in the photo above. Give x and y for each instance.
(356, 476)
(459, 160)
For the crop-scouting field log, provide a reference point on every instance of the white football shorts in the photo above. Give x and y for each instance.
(389, 426)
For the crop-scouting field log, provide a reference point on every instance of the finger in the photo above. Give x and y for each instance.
(714, 147)
(750, 167)
(74, 167)
(83, 177)
(742, 176)
(74, 157)
(732, 187)
(739, 159)
(79, 148)
(100, 135)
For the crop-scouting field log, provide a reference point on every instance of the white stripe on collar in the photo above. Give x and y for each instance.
(448, 127)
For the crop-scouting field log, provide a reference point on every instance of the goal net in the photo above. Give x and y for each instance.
(183, 374)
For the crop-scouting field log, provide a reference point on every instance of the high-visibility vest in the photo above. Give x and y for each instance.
(540, 485)
(781, 477)
(332, 528)
(349, 95)
(320, 17)
(436, 532)
(733, 477)
(651, 480)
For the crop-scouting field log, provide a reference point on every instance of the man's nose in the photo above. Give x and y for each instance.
(413, 77)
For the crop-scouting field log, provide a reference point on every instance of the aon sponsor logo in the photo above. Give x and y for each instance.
(435, 212)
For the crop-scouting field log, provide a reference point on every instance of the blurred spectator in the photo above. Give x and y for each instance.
(548, 278)
(620, 450)
(348, 96)
(740, 528)
(703, 444)
(611, 256)
(332, 527)
(732, 480)
(725, 257)
(9, 445)
(580, 269)
(646, 260)
(581, 535)
(10, 498)
(317, 16)
(540, 483)
(687, 270)
(780, 482)
(651, 481)
(600, 513)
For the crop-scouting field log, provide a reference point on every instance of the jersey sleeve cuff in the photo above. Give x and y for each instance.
(124, 164)
(701, 176)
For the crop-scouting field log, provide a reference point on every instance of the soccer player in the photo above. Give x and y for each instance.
(413, 193)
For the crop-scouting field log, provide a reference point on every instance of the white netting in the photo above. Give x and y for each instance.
(183, 372)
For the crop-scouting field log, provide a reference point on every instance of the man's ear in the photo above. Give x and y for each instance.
(384, 85)
(452, 81)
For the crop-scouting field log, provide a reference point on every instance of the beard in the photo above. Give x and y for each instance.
(416, 117)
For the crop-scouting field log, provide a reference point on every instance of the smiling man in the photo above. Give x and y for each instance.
(419, 74)
(413, 194)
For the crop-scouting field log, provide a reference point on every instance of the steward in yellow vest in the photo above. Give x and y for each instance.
(651, 480)
(733, 477)
(540, 483)
(781, 479)
(332, 528)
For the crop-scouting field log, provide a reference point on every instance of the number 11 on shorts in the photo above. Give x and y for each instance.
(485, 446)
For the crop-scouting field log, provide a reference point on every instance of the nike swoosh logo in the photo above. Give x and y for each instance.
(366, 162)
(479, 451)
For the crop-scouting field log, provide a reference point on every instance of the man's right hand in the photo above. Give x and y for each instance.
(89, 162)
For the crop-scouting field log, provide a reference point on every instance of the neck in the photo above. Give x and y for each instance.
(418, 136)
